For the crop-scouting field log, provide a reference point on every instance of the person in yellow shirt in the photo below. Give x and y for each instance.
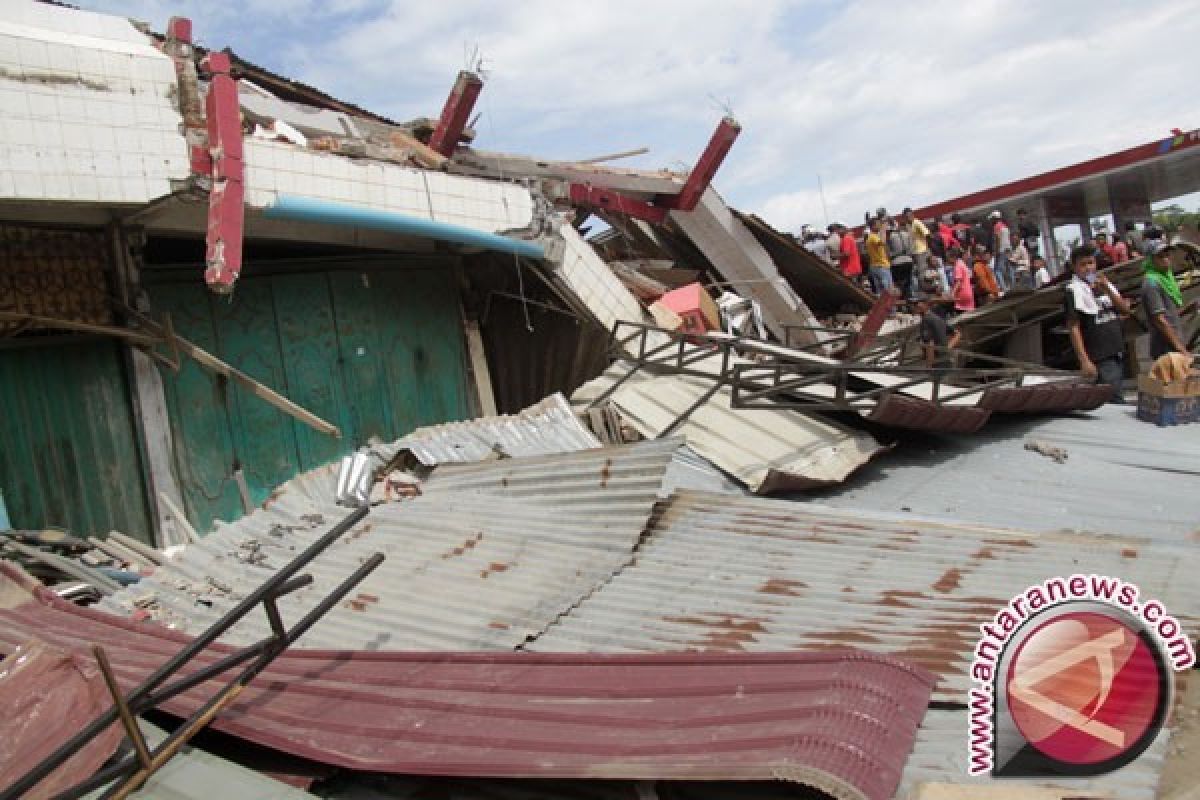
(877, 258)
(919, 233)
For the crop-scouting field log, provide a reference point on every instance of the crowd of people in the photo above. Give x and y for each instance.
(977, 261)
(947, 267)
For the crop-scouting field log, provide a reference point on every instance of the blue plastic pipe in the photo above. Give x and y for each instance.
(308, 209)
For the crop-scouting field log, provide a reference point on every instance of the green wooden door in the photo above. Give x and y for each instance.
(68, 448)
(376, 352)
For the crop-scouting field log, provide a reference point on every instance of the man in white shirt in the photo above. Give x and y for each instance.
(1041, 275)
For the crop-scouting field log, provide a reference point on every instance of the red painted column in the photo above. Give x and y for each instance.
(706, 168)
(456, 112)
(226, 205)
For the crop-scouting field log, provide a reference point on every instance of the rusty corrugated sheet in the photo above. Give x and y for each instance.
(841, 722)
(900, 411)
(488, 555)
(39, 683)
(768, 450)
(719, 572)
(1046, 397)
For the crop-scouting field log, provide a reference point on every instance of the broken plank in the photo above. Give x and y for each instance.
(147, 553)
(259, 390)
(423, 154)
(637, 151)
(67, 566)
(479, 369)
(506, 166)
(118, 551)
(131, 336)
(179, 518)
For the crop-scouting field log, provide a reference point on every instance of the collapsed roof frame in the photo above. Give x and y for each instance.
(883, 384)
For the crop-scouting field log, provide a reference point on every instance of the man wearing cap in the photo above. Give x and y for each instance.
(1162, 301)
(833, 243)
(1002, 248)
(1093, 307)
(814, 242)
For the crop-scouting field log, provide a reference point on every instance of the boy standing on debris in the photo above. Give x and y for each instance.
(1093, 307)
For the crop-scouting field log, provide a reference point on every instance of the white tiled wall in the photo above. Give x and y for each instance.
(277, 168)
(86, 109)
(595, 284)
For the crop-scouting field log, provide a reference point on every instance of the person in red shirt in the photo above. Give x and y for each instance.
(848, 258)
(946, 232)
(961, 291)
(1120, 252)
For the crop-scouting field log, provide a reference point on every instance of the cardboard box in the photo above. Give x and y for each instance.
(1163, 411)
(1156, 388)
(695, 306)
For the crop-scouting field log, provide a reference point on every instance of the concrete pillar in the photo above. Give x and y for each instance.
(1046, 227)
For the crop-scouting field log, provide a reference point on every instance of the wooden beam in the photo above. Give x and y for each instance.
(131, 336)
(479, 368)
(637, 151)
(259, 390)
(468, 161)
(423, 154)
(213, 364)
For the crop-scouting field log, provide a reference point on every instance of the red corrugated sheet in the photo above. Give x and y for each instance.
(46, 695)
(844, 722)
(1046, 397)
(900, 411)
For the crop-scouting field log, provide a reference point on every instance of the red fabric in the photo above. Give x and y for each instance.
(1120, 253)
(851, 263)
(964, 298)
(947, 234)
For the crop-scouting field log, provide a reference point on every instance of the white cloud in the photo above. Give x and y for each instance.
(890, 103)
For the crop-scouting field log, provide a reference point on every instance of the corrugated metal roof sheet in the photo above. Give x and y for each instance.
(1122, 475)
(767, 450)
(940, 756)
(842, 722)
(547, 427)
(718, 572)
(489, 555)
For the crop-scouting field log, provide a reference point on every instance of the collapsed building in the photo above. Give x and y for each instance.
(216, 283)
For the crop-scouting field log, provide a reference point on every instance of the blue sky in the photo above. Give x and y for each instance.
(890, 103)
